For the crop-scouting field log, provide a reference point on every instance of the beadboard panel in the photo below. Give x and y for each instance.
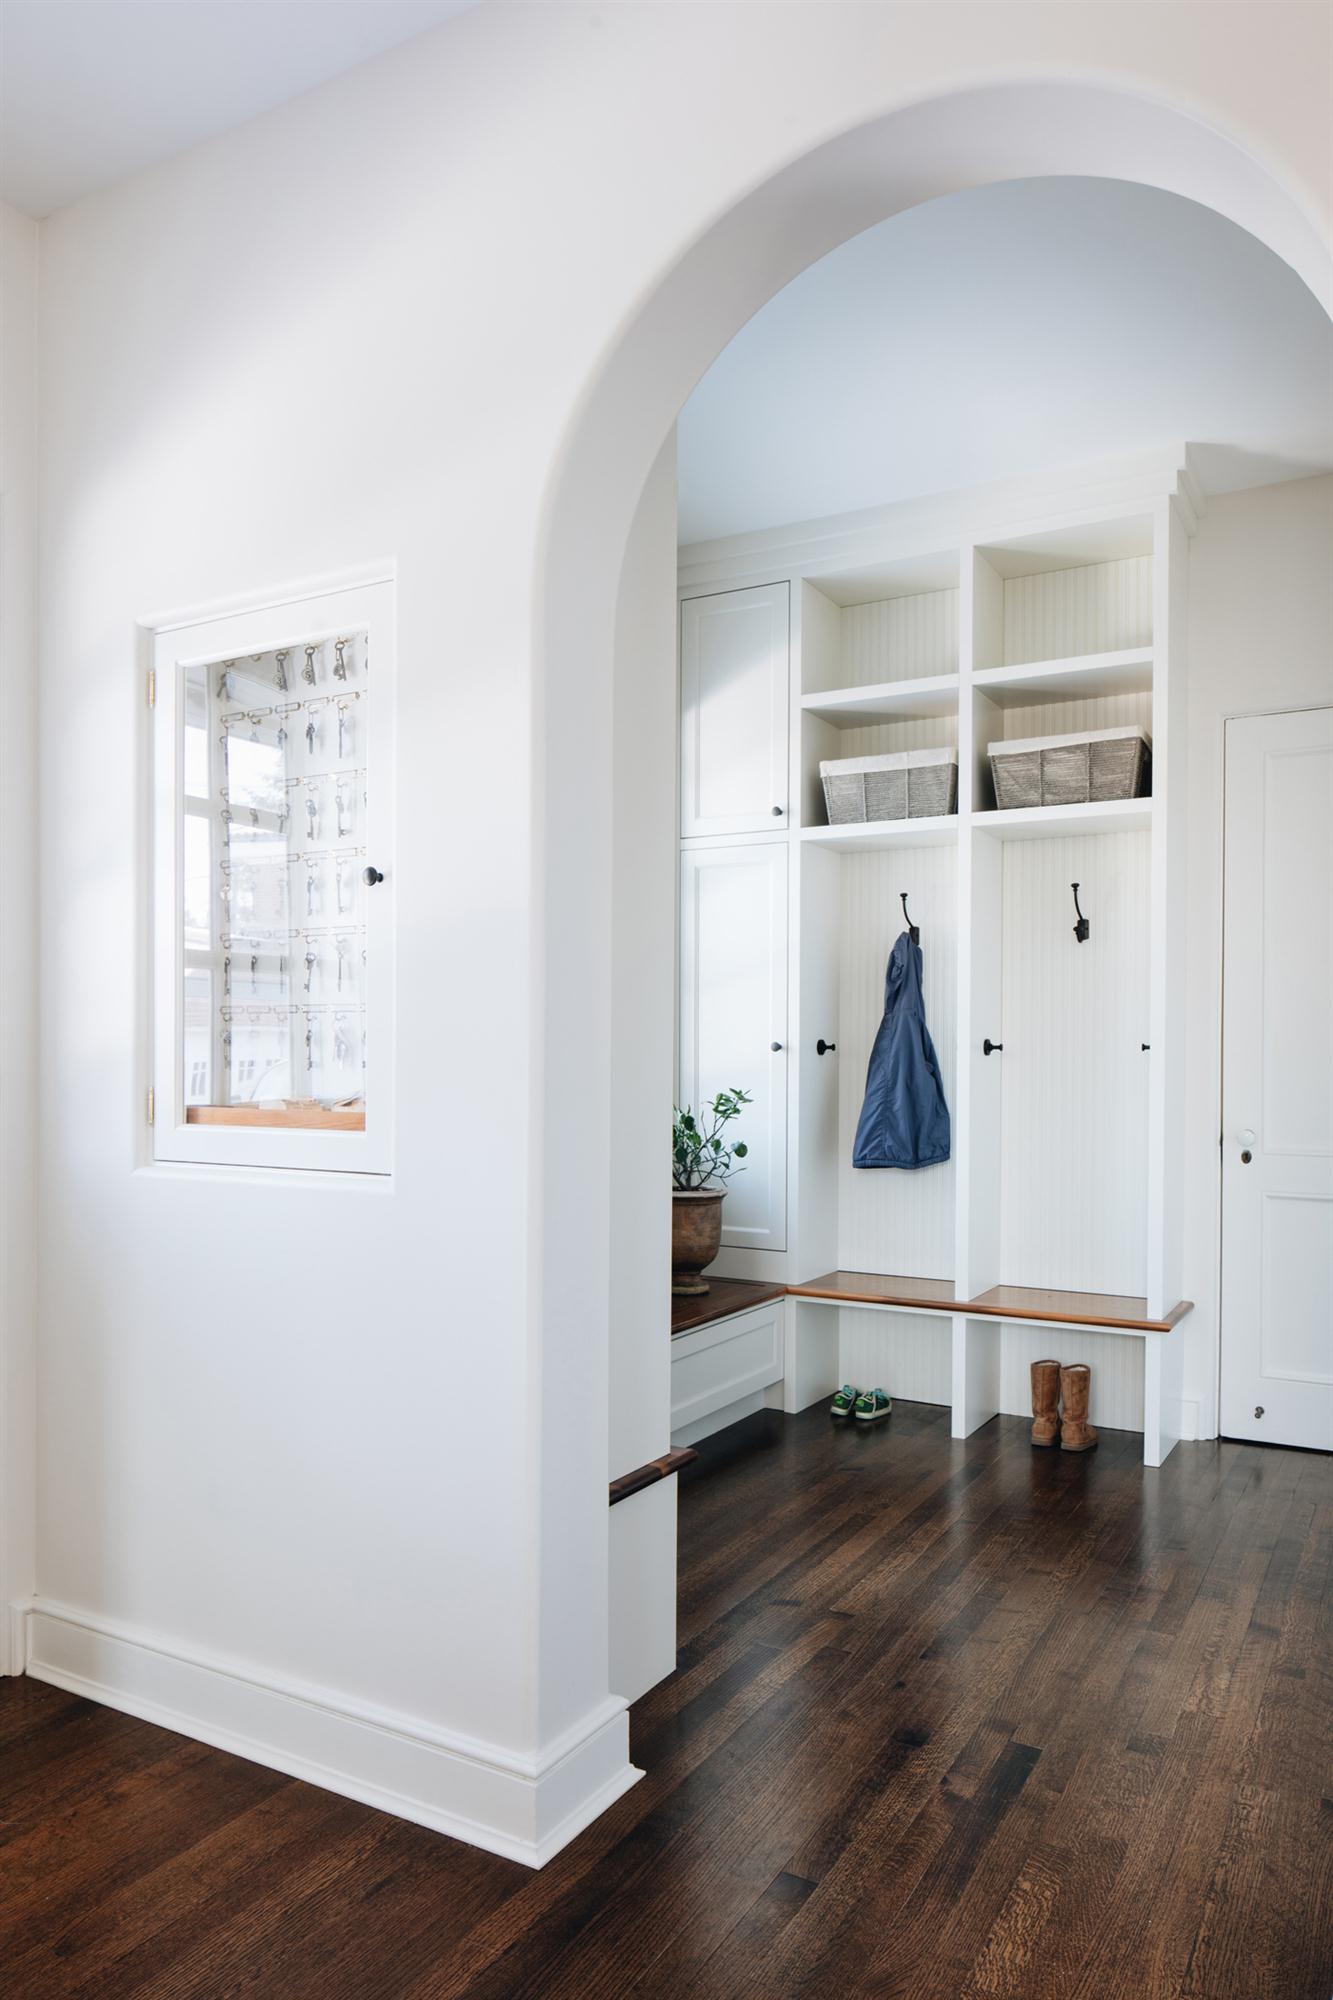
(1062, 718)
(907, 1354)
(876, 739)
(1074, 1106)
(890, 1219)
(899, 639)
(1116, 1361)
(1097, 609)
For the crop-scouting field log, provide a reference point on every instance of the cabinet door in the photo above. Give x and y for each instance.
(733, 1009)
(734, 691)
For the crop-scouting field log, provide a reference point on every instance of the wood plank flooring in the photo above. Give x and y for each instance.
(950, 1721)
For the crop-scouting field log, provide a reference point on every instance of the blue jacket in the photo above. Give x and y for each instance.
(904, 1120)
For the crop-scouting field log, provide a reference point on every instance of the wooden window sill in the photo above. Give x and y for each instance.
(277, 1117)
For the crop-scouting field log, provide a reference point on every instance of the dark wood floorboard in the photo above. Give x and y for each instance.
(950, 1722)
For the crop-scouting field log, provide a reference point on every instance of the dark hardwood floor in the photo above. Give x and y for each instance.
(951, 1720)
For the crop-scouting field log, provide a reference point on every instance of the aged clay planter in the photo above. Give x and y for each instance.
(696, 1237)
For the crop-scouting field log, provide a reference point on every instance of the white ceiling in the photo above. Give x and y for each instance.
(1006, 330)
(92, 90)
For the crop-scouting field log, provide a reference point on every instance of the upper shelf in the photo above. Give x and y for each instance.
(1077, 679)
(887, 701)
(1050, 822)
(863, 836)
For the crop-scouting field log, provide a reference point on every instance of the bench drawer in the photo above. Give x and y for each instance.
(719, 1364)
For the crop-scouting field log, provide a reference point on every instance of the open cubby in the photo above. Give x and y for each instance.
(1063, 594)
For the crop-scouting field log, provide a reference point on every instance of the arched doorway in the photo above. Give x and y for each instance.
(910, 155)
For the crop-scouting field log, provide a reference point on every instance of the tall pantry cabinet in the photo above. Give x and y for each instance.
(1040, 608)
(734, 883)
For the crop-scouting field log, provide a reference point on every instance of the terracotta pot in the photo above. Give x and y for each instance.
(696, 1237)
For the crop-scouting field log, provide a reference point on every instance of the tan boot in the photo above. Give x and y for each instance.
(1076, 1433)
(1045, 1402)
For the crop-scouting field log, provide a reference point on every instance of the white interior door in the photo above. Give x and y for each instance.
(1277, 1081)
(733, 1019)
(734, 649)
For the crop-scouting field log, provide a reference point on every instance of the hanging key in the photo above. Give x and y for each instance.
(342, 1048)
(310, 889)
(342, 728)
(309, 1045)
(254, 972)
(340, 880)
(280, 660)
(226, 974)
(310, 963)
(312, 815)
(308, 670)
(340, 808)
(311, 736)
(342, 945)
(340, 663)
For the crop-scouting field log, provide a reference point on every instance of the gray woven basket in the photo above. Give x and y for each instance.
(904, 784)
(1090, 766)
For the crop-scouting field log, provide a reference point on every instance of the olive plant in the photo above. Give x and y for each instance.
(700, 1158)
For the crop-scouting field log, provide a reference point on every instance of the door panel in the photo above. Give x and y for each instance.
(1277, 1082)
(734, 693)
(733, 1007)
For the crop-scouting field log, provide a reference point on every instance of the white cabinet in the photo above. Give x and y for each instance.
(734, 676)
(720, 1365)
(733, 1018)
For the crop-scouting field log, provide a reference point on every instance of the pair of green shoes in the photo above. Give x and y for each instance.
(863, 1406)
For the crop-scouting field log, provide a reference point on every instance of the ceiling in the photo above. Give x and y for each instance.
(92, 90)
(1010, 329)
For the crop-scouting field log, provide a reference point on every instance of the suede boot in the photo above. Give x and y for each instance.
(1076, 1433)
(1045, 1402)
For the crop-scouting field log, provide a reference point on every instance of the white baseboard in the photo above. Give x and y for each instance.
(524, 1807)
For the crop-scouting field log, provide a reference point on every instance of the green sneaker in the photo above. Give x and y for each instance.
(872, 1406)
(844, 1402)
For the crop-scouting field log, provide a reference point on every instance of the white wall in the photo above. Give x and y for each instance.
(18, 1017)
(1261, 637)
(313, 1456)
(643, 1528)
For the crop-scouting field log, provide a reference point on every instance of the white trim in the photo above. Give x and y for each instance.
(271, 597)
(523, 1805)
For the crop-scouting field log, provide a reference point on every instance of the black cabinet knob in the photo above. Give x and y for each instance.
(370, 876)
(990, 1048)
(823, 1048)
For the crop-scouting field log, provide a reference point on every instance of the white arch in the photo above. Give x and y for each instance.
(912, 153)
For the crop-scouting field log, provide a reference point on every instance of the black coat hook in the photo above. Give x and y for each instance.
(913, 930)
(1082, 929)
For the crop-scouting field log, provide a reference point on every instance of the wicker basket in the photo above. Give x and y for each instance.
(1092, 765)
(905, 784)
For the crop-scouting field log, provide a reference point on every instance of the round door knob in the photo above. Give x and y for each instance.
(370, 876)
(1246, 1137)
(776, 1047)
(777, 812)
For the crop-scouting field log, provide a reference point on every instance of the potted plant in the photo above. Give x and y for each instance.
(701, 1161)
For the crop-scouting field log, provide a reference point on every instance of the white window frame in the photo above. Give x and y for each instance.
(291, 617)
